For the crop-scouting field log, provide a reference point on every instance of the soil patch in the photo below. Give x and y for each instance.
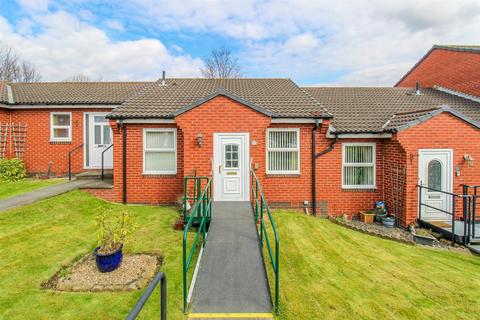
(377, 229)
(134, 273)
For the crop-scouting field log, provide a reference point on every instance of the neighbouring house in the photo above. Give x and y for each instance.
(332, 150)
(454, 68)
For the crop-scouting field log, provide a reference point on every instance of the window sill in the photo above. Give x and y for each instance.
(353, 189)
(60, 142)
(283, 175)
(159, 175)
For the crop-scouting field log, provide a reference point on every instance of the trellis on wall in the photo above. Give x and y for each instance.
(3, 139)
(398, 175)
(15, 133)
(19, 137)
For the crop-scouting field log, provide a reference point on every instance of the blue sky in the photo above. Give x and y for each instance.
(355, 42)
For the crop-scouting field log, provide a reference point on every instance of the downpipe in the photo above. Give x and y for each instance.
(315, 156)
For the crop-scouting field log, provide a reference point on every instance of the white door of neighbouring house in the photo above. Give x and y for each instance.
(98, 137)
(230, 166)
(435, 171)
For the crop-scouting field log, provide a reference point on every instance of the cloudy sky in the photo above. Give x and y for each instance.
(363, 43)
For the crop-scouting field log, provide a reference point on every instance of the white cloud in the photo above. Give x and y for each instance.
(67, 46)
(303, 39)
(362, 42)
(34, 5)
(115, 25)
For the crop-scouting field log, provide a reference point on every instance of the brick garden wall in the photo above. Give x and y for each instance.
(459, 71)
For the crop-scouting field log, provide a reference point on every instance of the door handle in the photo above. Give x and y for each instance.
(219, 169)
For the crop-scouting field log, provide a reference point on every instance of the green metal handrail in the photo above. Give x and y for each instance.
(200, 213)
(260, 206)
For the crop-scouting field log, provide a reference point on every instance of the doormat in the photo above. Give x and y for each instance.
(441, 224)
(134, 273)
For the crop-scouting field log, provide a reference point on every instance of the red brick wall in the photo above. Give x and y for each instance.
(222, 114)
(461, 137)
(395, 160)
(329, 181)
(459, 71)
(4, 115)
(149, 189)
(40, 153)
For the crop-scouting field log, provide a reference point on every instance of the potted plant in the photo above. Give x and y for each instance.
(113, 230)
(381, 210)
(367, 216)
(389, 221)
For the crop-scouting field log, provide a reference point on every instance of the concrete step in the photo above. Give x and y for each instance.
(226, 316)
(475, 241)
(94, 174)
(474, 248)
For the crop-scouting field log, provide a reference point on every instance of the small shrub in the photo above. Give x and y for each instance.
(12, 169)
(114, 228)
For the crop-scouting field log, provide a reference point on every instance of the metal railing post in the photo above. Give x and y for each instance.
(69, 166)
(159, 277)
(453, 218)
(163, 297)
(420, 202)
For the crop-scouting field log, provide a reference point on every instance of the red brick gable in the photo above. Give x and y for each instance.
(455, 70)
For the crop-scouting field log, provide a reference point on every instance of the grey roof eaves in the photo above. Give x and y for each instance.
(221, 92)
(428, 116)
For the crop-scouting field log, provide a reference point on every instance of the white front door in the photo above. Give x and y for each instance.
(230, 167)
(435, 171)
(98, 137)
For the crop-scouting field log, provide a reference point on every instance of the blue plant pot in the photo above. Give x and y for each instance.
(108, 262)
(388, 222)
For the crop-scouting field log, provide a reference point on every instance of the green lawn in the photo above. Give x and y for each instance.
(327, 271)
(36, 240)
(330, 272)
(10, 189)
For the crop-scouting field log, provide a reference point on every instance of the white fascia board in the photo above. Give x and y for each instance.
(296, 120)
(360, 135)
(62, 106)
(147, 121)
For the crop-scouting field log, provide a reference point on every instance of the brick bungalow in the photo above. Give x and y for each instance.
(332, 150)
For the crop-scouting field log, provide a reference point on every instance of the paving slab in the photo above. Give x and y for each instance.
(232, 276)
(43, 193)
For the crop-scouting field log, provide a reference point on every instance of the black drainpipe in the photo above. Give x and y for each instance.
(124, 160)
(315, 156)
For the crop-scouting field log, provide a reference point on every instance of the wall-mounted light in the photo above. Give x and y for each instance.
(468, 159)
(199, 139)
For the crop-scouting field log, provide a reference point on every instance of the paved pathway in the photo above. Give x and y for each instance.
(43, 193)
(232, 277)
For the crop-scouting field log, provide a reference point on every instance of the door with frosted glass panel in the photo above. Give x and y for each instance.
(435, 172)
(100, 138)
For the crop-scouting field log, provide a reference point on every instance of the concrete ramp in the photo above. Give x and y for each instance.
(232, 280)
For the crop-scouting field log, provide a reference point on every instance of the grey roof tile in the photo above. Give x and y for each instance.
(75, 92)
(279, 97)
(362, 110)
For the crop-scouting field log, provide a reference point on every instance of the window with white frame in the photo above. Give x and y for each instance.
(358, 162)
(61, 126)
(159, 151)
(283, 151)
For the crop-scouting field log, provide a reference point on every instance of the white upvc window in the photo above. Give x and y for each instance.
(61, 126)
(358, 165)
(283, 151)
(159, 151)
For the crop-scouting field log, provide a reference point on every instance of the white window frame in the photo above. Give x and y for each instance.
(174, 149)
(297, 130)
(374, 165)
(52, 127)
